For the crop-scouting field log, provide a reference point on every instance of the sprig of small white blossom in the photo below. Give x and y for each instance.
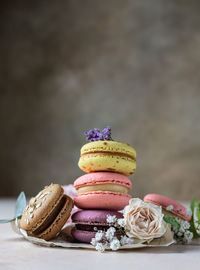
(99, 235)
(94, 241)
(197, 225)
(108, 239)
(185, 225)
(116, 222)
(170, 207)
(126, 240)
(181, 231)
(188, 236)
(121, 222)
(111, 219)
(115, 244)
(110, 233)
(100, 247)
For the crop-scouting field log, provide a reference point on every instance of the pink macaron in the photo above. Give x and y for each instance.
(167, 203)
(102, 190)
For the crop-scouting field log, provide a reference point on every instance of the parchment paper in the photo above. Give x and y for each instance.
(65, 240)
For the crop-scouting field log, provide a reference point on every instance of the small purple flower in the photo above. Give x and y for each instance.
(89, 135)
(96, 135)
(107, 133)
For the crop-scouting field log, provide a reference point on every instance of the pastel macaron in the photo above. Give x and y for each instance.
(87, 222)
(47, 212)
(176, 208)
(102, 190)
(109, 156)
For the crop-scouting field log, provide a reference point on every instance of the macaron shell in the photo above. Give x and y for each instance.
(82, 236)
(36, 211)
(102, 178)
(98, 217)
(104, 162)
(59, 222)
(178, 209)
(102, 200)
(108, 146)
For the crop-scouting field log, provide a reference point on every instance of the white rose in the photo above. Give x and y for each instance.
(143, 220)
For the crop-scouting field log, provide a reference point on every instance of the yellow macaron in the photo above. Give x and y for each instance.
(109, 156)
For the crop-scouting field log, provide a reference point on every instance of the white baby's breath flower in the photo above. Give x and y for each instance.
(99, 236)
(197, 226)
(110, 233)
(93, 242)
(182, 230)
(121, 222)
(188, 212)
(100, 247)
(179, 234)
(185, 225)
(188, 236)
(115, 244)
(144, 220)
(111, 219)
(170, 207)
(125, 240)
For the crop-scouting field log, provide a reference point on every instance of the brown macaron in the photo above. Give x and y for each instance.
(46, 213)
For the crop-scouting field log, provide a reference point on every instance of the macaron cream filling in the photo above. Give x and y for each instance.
(106, 153)
(112, 147)
(103, 187)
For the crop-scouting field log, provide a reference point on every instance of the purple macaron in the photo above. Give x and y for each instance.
(86, 220)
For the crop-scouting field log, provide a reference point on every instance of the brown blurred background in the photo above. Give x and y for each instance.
(68, 66)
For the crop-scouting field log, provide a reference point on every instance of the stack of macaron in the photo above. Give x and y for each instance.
(104, 189)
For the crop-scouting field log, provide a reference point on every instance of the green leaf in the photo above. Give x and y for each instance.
(198, 211)
(193, 205)
(20, 204)
(193, 202)
(171, 221)
(192, 229)
(196, 218)
(6, 220)
(19, 208)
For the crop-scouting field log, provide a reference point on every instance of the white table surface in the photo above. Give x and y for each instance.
(17, 253)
